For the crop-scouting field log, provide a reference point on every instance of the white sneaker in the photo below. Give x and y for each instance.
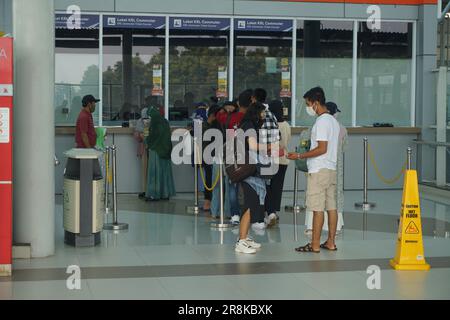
(243, 247)
(259, 226)
(271, 220)
(235, 219)
(253, 243)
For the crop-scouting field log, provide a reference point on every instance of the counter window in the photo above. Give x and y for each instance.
(133, 67)
(76, 66)
(384, 74)
(263, 58)
(324, 58)
(198, 55)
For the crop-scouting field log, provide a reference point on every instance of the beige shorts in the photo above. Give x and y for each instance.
(321, 190)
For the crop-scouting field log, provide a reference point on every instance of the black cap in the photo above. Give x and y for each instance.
(332, 107)
(88, 99)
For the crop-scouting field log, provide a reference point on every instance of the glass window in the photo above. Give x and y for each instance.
(324, 58)
(263, 58)
(384, 74)
(76, 66)
(133, 67)
(198, 54)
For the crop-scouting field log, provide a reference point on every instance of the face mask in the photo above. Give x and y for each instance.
(310, 111)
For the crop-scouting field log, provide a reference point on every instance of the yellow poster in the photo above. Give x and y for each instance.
(285, 82)
(157, 89)
(222, 82)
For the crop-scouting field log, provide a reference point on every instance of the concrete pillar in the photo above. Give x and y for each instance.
(34, 129)
(426, 88)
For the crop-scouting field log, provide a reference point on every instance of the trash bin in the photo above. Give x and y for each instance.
(84, 202)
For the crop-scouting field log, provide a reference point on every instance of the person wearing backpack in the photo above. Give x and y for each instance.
(254, 187)
(230, 118)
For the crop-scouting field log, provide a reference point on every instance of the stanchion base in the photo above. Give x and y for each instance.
(193, 209)
(116, 226)
(296, 209)
(222, 226)
(365, 205)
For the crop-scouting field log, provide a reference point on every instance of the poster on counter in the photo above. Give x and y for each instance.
(157, 89)
(285, 79)
(222, 82)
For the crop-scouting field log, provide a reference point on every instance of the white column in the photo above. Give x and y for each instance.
(34, 129)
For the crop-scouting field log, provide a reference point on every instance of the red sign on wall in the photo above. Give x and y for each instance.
(6, 121)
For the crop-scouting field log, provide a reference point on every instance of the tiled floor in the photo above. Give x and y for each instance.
(169, 254)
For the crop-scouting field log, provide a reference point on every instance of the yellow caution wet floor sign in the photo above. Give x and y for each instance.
(409, 252)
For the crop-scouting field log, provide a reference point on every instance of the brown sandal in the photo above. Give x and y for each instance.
(306, 248)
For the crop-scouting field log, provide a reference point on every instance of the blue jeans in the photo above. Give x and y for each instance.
(230, 201)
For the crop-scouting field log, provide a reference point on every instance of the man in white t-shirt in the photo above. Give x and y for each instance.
(321, 159)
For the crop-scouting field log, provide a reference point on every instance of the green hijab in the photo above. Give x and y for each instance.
(158, 139)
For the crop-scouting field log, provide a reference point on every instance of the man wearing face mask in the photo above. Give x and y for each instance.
(85, 136)
(321, 160)
(334, 110)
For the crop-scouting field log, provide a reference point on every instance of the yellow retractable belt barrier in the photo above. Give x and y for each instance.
(378, 172)
(108, 171)
(202, 174)
(409, 254)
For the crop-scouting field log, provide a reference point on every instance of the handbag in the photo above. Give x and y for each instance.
(237, 163)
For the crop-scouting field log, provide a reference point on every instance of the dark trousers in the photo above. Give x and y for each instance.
(208, 178)
(275, 191)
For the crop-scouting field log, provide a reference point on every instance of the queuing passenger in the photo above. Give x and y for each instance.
(321, 160)
(140, 134)
(275, 188)
(333, 109)
(200, 112)
(230, 118)
(160, 184)
(85, 136)
(271, 136)
(254, 187)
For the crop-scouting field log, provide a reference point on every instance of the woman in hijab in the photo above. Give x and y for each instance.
(160, 183)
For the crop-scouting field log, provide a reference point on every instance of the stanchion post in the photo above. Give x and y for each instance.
(365, 204)
(107, 151)
(195, 209)
(408, 155)
(222, 224)
(115, 225)
(295, 208)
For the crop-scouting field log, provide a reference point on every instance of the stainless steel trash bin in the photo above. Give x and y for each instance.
(84, 202)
